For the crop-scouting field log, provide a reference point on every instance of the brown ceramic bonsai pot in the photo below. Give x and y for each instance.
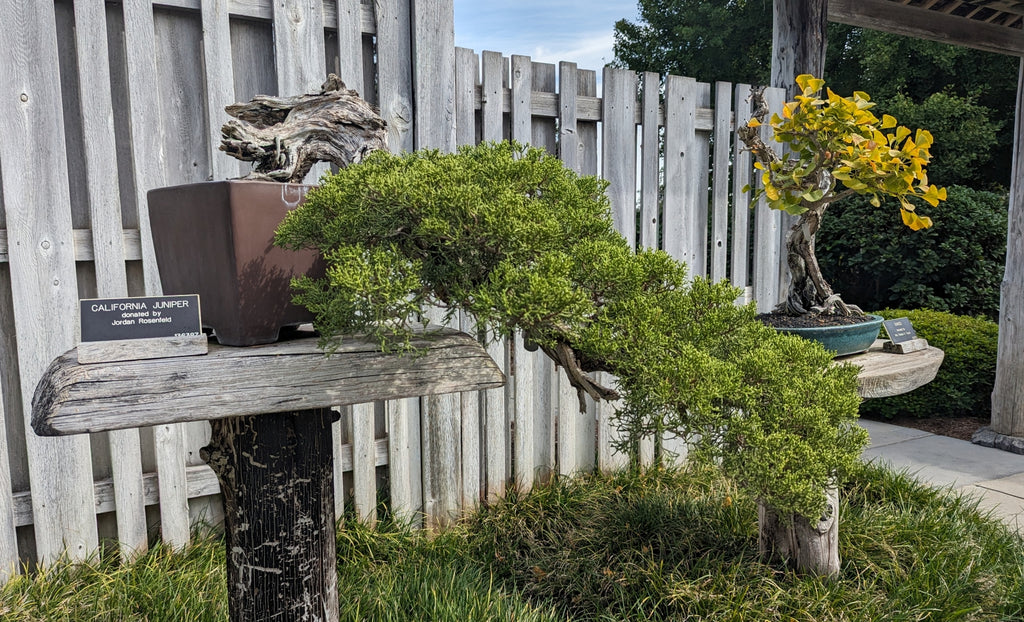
(216, 239)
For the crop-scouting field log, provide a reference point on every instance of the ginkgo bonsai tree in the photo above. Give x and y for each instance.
(512, 237)
(835, 147)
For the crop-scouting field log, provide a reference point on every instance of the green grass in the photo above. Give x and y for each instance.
(668, 545)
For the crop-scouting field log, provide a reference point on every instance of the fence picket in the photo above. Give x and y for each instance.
(149, 165)
(619, 169)
(568, 135)
(650, 165)
(720, 188)
(587, 130)
(544, 134)
(35, 188)
(350, 45)
(680, 147)
(767, 231)
(473, 469)
(522, 372)
(394, 66)
(741, 178)
(108, 248)
(364, 468)
(219, 83)
(495, 415)
(700, 182)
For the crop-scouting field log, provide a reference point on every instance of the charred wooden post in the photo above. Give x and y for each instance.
(276, 475)
(810, 546)
(285, 136)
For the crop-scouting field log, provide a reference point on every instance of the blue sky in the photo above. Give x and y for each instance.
(546, 30)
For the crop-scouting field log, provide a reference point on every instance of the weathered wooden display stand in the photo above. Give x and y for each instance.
(269, 407)
(816, 547)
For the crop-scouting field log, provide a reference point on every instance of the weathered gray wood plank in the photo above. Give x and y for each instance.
(619, 143)
(586, 127)
(884, 375)
(741, 178)
(36, 204)
(568, 137)
(720, 188)
(467, 76)
(350, 44)
(521, 89)
(299, 46)
(496, 417)
(136, 349)
(299, 53)
(650, 161)
(521, 372)
(434, 73)
(618, 167)
(701, 181)
(108, 248)
(767, 232)
(542, 80)
(680, 151)
(228, 382)
(923, 24)
(364, 471)
(434, 128)
(219, 83)
(394, 66)
(149, 164)
(1008, 393)
(472, 427)
(472, 403)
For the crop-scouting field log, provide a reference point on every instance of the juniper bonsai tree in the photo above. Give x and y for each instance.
(835, 148)
(510, 236)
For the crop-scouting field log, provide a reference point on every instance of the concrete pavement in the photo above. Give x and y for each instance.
(993, 475)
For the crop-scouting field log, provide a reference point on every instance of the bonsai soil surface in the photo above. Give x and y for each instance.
(780, 320)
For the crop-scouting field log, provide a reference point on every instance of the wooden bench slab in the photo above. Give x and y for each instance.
(884, 374)
(291, 375)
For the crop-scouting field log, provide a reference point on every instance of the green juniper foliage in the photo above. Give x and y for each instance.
(512, 237)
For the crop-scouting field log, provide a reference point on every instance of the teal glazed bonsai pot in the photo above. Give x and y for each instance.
(843, 340)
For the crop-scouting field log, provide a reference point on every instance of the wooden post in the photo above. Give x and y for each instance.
(276, 475)
(1008, 393)
(799, 31)
(809, 547)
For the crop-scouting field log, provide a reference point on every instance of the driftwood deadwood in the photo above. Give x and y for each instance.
(285, 136)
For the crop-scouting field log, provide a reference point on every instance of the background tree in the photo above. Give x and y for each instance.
(731, 40)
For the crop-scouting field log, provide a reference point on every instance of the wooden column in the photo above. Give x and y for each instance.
(1008, 394)
(799, 30)
(276, 473)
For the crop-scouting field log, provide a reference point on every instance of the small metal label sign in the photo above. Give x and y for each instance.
(899, 330)
(115, 319)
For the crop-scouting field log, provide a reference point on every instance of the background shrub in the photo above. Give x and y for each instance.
(874, 261)
(963, 386)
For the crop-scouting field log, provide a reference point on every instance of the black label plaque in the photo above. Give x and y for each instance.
(114, 319)
(899, 330)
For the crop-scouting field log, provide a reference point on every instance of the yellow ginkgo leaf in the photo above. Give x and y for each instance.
(807, 82)
(753, 123)
(888, 121)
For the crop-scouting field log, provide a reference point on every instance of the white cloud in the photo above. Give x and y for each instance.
(588, 51)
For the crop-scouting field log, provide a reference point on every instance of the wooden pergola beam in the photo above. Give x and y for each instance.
(926, 24)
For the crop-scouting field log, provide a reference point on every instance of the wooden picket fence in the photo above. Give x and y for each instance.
(102, 101)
